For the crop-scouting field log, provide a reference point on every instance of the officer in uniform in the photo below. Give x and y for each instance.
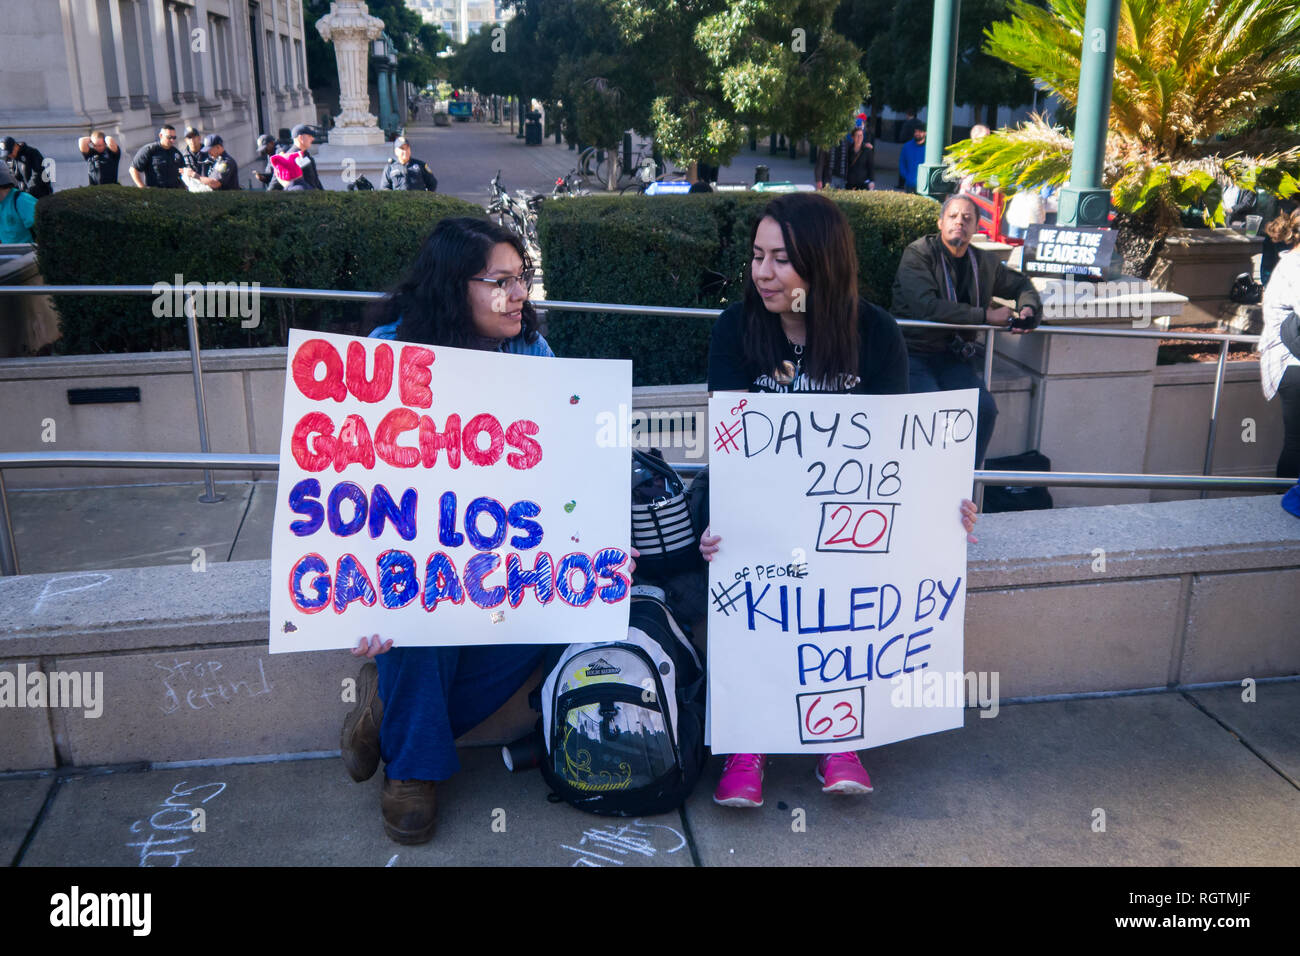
(303, 136)
(159, 164)
(265, 150)
(102, 154)
(28, 166)
(192, 153)
(221, 171)
(403, 172)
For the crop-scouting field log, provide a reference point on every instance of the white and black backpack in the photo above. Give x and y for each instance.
(622, 727)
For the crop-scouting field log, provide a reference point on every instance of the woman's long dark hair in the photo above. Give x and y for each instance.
(432, 301)
(819, 245)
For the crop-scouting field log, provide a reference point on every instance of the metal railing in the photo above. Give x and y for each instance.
(249, 462)
(277, 292)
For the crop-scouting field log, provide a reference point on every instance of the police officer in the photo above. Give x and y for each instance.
(407, 173)
(192, 152)
(159, 164)
(265, 150)
(102, 154)
(221, 171)
(303, 137)
(28, 166)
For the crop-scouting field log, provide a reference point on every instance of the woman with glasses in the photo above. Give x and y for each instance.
(802, 327)
(468, 289)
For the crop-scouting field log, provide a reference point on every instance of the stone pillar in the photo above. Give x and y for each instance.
(1091, 406)
(115, 78)
(350, 27)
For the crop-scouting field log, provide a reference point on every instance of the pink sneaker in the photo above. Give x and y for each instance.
(842, 773)
(741, 783)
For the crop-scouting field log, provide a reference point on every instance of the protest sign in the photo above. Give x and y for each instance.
(1080, 251)
(841, 578)
(444, 496)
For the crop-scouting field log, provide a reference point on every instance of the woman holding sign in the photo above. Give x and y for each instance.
(802, 327)
(468, 289)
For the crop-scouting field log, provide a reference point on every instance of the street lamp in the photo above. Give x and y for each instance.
(378, 49)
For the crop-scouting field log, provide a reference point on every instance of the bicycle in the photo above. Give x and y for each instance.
(516, 213)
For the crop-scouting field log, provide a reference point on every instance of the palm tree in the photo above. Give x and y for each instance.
(1186, 73)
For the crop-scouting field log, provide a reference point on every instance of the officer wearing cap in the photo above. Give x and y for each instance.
(265, 150)
(159, 164)
(28, 166)
(192, 153)
(403, 172)
(303, 137)
(221, 171)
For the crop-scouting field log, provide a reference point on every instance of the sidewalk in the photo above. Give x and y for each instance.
(464, 157)
(1179, 779)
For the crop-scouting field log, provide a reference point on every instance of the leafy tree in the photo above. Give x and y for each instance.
(897, 36)
(1186, 71)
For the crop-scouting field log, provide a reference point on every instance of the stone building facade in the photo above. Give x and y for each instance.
(234, 67)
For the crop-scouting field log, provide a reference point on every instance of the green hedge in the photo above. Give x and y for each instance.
(361, 241)
(688, 251)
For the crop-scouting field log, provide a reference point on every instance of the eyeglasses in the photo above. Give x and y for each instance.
(524, 279)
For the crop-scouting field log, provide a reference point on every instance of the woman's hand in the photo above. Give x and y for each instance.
(709, 544)
(631, 561)
(372, 646)
(969, 515)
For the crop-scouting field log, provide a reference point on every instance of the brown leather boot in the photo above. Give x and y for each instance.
(408, 808)
(360, 744)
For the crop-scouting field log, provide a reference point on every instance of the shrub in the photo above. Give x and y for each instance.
(691, 252)
(361, 241)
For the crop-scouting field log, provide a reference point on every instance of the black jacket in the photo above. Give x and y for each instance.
(413, 175)
(920, 292)
(27, 167)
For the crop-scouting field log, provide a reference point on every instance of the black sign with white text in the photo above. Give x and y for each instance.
(1081, 251)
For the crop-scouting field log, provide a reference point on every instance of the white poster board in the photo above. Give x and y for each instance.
(444, 496)
(841, 578)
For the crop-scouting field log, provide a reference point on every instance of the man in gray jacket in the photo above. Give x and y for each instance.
(941, 278)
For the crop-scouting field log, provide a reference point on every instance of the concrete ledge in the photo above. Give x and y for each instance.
(1191, 591)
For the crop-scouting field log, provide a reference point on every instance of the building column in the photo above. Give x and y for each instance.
(938, 117)
(156, 30)
(1085, 201)
(110, 35)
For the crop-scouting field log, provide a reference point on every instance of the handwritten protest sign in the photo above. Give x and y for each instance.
(447, 496)
(841, 578)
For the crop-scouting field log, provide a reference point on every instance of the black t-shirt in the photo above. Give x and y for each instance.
(103, 166)
(160, 164)
(962, 273)
(882, 361)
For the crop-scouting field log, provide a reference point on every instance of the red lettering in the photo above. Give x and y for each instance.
(393, 424)
(431, 441)
(483, 425)
(354, 444)
(529, 452)
(309, 355)
(413, 376)
(373, 389)
(319, 458)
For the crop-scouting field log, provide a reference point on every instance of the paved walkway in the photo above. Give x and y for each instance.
(1173, 779)
(464, 156)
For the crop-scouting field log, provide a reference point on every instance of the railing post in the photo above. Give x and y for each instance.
(209, 495)
(8, 547)
(1214, 408)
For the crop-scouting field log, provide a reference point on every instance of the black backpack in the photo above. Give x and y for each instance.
(622, 727)
(1002, 498)
(663, 527)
